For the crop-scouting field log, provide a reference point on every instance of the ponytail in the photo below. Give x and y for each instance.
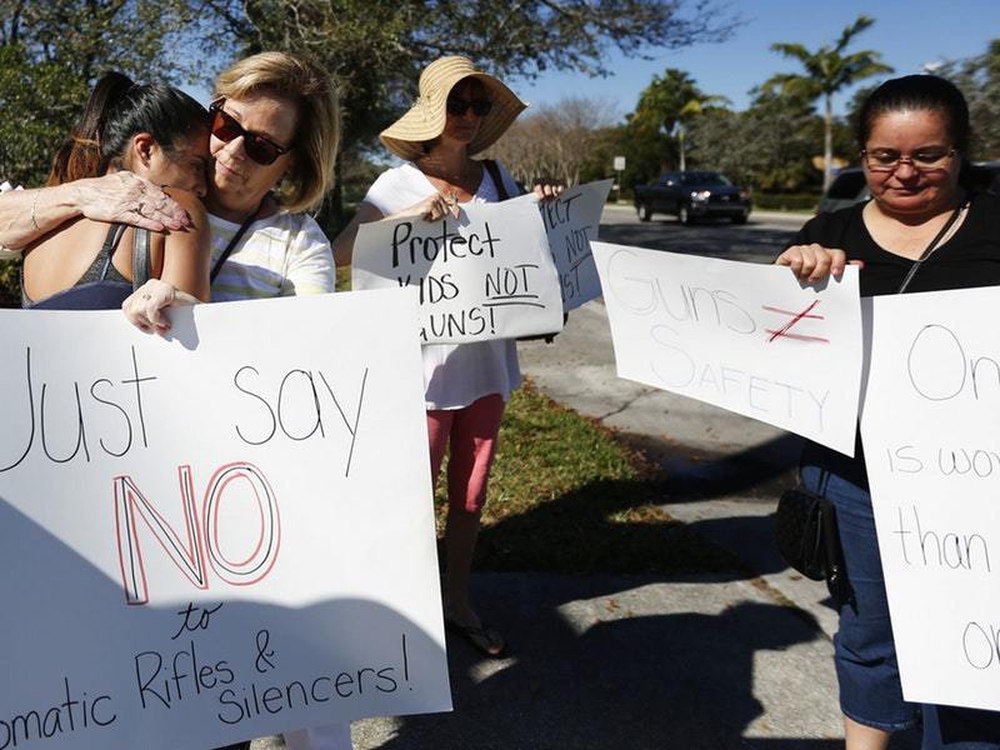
(80, 154)
(117, 110)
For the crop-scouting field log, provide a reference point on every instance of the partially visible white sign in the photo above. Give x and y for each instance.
(488, 275)
(619, 163)
(743, 336)
(571, 222)
(931, 431)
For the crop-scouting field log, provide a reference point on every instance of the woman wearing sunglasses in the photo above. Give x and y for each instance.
(274, 132)
(460, 112)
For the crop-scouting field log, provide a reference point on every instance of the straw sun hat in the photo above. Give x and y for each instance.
(425, 120)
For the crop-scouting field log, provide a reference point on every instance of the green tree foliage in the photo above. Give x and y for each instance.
(52, 52)
(661, 104)
(657, 129)
(979, 79)
(828, 70)
(768, 146)
(376, 50)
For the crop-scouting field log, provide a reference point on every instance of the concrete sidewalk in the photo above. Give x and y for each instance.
(739, 660)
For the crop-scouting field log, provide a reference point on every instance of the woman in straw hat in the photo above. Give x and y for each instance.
(460, 112)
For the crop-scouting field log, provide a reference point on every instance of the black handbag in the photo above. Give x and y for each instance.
(805, 529)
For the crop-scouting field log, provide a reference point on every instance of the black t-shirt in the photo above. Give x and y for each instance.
(970, 258)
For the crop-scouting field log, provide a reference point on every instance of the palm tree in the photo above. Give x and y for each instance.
(828, 71)
(667, 102)
(693, 107)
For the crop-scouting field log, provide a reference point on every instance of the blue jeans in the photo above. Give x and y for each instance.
(864, 652)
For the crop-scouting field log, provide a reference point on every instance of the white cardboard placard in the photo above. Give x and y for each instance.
(205, 538)
(743, 336)
(488, 275)
(571, 223)
(931, 432)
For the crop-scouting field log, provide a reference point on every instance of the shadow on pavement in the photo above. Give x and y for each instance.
(682, 680)
(689, 475)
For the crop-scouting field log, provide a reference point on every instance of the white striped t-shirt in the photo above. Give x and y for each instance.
(279, 256)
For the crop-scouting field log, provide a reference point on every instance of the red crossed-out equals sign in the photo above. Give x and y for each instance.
(793, 319)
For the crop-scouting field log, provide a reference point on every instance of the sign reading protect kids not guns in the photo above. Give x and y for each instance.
(743, 336)
(487, 275)
(571, 222)
(204, 539)
(931, 431)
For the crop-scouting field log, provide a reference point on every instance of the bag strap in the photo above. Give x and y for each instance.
(233, 242)
(140, 257)
(932, 247)
(494, 171)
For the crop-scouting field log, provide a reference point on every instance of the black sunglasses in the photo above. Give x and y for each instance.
(226, 128)
(480, 107)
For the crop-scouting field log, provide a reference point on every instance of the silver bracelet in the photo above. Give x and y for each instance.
(34, 204)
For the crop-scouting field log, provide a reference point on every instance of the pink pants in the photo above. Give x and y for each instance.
(472, 431)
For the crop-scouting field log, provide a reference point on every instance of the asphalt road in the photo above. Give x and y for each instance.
(759, 240)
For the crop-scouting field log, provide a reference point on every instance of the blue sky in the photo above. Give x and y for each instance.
(908, 33)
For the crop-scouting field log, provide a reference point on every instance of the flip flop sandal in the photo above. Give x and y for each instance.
(484, 639)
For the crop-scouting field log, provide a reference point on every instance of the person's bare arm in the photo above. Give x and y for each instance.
(343, 244)
(27, 215)
(185, 275)
(187, 252)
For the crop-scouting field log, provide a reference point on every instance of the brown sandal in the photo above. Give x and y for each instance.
(484, 639)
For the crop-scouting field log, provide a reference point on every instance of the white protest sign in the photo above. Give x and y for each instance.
(218, 536)
(571, 222)
(488, 275)
(743, 336)
(931, 432)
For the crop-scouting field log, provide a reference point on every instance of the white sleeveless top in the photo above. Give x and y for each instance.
(455, 375)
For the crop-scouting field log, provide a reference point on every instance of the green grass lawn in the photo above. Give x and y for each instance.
(566, 495)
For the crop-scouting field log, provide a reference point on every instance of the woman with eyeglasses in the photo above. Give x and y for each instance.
(926, 228)
(274, 131)
(459, 113)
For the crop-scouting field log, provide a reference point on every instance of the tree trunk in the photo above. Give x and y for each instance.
(827, 142)
(680, 142)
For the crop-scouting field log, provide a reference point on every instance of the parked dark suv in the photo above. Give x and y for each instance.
(693, 195)
(849, 186)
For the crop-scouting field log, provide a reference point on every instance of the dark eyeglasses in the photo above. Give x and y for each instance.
(480, 107)
(225, 127)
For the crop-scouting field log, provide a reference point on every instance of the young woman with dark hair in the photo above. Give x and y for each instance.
(153, 131)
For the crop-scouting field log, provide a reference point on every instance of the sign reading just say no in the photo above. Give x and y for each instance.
(487, 275)
(203, 539)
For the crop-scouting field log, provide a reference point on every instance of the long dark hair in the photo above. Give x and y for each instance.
(118, 109)
(934, 94)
